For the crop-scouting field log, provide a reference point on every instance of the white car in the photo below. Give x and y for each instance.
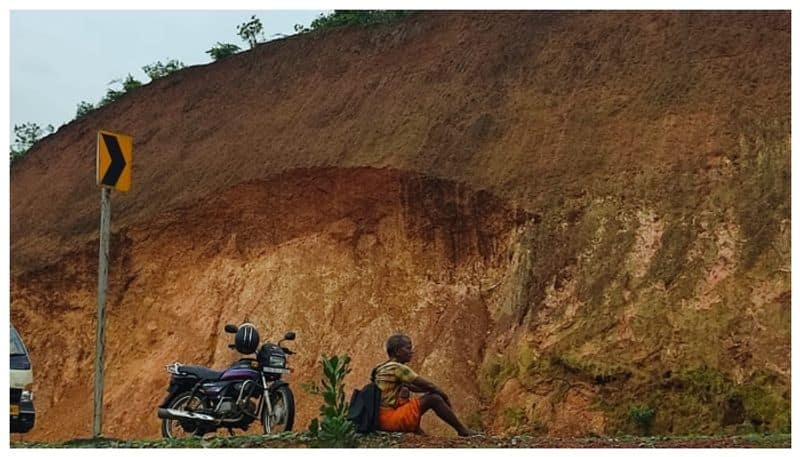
(23, 415)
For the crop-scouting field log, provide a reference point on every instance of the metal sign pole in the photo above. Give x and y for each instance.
(102, 283)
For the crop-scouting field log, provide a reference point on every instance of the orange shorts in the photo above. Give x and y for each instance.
(404, 418)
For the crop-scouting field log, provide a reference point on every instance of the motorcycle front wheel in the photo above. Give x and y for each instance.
(174, 428)
(281, 417)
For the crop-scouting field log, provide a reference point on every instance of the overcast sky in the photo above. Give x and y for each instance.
(59, 58)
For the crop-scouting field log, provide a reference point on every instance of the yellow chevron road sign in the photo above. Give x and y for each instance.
(114, 160)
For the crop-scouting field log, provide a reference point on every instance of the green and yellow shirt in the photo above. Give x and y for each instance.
(390, 377)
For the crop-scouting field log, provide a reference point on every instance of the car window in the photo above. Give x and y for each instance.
(17, 347)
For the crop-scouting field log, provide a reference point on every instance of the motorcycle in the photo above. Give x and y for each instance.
(201, 400)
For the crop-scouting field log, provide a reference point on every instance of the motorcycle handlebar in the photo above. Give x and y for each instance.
(286, 351)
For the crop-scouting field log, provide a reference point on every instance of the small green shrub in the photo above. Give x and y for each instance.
(84, 108)
(332, 428)
(643, 417)
(222, 50)
(159, 70)
(340, 18)
(129, 84)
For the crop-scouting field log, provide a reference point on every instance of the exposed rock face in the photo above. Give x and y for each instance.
(576, 216)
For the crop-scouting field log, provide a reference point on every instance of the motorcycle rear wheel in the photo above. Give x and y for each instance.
(281, 418)
(173, 428)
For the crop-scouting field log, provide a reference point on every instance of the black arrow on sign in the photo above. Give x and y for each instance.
(117, 161)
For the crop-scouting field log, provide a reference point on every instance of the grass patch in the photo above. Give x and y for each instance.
(286, 439)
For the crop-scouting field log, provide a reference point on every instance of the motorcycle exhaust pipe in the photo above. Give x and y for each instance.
(166, 413)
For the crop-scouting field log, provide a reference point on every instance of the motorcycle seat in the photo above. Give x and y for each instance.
(200, 372)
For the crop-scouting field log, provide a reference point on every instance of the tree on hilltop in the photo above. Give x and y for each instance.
(25, 136)
(251, 31)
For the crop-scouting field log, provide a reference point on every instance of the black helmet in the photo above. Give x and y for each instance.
(247, 338)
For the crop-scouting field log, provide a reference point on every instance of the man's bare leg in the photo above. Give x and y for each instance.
(443, 410)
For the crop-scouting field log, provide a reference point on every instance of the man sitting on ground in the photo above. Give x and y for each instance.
(400, 412)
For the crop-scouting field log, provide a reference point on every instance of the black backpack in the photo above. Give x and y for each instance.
(365, 405)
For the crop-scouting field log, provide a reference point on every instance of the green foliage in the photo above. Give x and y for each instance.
(128, 84)
(250, 31)
(25, 136)
(643, 416)
(159, 70)
(154, 71)
(222, 50)
(333, 429)
(340, 18)
(84, 108)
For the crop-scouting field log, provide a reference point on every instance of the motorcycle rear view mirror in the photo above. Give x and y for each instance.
(230, 328)
(289, 336)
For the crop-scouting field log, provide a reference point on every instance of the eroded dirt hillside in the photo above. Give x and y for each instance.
(343, 257)
(577, 216)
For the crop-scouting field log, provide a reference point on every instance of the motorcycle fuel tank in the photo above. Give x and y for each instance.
(236, 374)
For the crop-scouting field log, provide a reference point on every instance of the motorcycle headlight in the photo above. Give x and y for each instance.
(277, 361)
(27, 395)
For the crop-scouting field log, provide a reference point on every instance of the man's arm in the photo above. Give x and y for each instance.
(421, 384)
